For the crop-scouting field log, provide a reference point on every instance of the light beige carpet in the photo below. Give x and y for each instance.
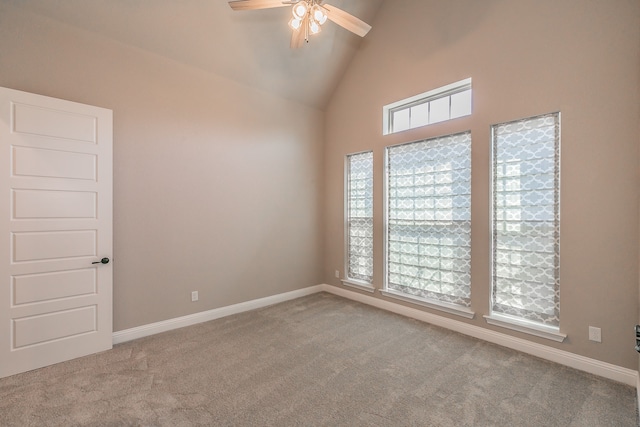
(316, 361)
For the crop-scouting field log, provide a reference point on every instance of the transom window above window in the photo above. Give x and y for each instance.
(438, 105)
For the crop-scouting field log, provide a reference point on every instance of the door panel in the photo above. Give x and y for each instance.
(55, 221)
(53, 163)
(30, 288)
(53, 122)
(34, 204)
(39, 329)
(44, 245)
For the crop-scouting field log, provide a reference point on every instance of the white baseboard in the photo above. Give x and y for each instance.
(596, 367)
(205, 316)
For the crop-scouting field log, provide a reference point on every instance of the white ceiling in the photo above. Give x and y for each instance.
(250, 47)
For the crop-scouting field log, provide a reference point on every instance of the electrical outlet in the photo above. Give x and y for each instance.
(194, 296)
(337, 274)
(595, 334)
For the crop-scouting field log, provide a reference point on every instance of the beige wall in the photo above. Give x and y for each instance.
(216, 186)
(526, 58)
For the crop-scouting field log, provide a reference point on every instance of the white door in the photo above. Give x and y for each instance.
(56, 226)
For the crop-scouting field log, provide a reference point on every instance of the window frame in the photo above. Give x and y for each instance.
(347, 280)
(389, 110)
(435, 304)
(502, 319)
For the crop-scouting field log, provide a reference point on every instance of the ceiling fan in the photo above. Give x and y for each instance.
(308, 17)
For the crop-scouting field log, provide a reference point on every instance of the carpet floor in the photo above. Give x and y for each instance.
(320, 360)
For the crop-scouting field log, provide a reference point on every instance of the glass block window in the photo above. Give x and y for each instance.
(526, 219)
(359, 216)
(428, 241)
(438, 105)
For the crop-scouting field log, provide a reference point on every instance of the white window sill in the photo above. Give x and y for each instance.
(548, 332)
(357, 284)
(433, 304)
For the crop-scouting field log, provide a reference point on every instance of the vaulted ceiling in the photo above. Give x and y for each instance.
(250, 47)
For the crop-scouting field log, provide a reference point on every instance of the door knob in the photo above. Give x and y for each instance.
(104, 260)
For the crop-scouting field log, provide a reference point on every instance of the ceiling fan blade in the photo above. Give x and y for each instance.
(346, 20)
(255, 4)
(298, 36)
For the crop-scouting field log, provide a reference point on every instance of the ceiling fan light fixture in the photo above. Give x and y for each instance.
(295, 23)
(308, 17)
(318, 14)
(314, 27)
(300, 10)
